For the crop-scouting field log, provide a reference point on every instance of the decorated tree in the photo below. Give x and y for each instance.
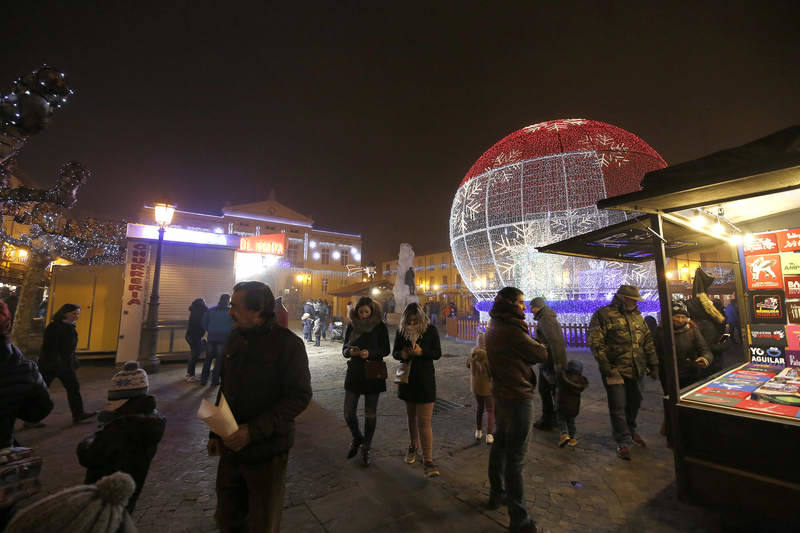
(47, 230)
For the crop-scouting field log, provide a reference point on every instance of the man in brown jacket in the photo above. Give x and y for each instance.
(512, 353)
(266, 382)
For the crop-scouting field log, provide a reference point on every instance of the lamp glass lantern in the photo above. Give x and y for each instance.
(163, 214)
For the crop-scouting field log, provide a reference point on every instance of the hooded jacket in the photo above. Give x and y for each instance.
(548, 332)
(368, 334)
(218, 323)
(197, 310)
(569, 389)
(126, 442)
(480, 382)
(23, 392)
(708, 318)
(689, 345)
(58, 347)
(621, 341)
(512, 353)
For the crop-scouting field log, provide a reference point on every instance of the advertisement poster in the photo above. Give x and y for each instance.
(763, 271)
(793, 358)
(762, 243)
(791, 284)
(766, 407)
(793, 312)
(726, 401)
(790, 264)
(767, 335)
(793, 337)
(767, 307)
(789, 241)
(771, 355)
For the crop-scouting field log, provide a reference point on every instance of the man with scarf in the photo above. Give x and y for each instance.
(512, 353)
(623, 346)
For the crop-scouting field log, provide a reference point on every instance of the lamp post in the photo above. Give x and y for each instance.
(149, 345)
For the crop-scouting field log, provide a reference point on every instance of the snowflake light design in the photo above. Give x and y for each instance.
(540, 185)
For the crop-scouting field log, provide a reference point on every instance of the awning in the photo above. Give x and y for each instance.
(632, 241)
(765, 166)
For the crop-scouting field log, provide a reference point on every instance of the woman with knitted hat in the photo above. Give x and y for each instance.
(96, 508)
(131, 429)
(58, 360)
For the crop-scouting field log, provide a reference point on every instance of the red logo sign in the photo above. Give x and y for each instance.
(136, 270)
(791, 284)
(273, 244)
(763, 271)
(793, 312)
(789, 241)
(762, 243)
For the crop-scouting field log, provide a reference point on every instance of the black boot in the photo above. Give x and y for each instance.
(366, 455)
(545, 423)
(354, 445)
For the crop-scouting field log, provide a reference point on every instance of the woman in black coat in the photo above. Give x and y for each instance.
(194, 335)
(417, 344)
(58, 360)
(366, 339)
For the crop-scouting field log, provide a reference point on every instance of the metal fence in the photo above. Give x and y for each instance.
(465, 329)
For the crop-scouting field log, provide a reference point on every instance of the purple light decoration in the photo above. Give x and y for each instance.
(584, 307)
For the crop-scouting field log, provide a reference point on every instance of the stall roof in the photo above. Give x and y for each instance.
(768, 165)
(631, 241)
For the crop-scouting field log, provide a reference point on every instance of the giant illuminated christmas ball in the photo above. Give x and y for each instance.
(540, 185)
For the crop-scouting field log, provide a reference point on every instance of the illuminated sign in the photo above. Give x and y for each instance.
(137, 259)
(142, 231)
(789, 241)
(761, 243)
(273, 244)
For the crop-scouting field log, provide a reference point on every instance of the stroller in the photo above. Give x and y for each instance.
(337, 328)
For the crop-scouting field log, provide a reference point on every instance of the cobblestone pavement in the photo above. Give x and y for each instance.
(572, 489)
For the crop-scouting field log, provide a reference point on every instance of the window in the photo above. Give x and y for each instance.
(345, 257)
(326, 257)
(291, 252)
(324, 286)
(258, 230)
(230, 227)
(444, 280)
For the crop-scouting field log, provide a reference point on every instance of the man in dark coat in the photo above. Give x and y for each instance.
(623, 346)
(548, 332)
(693, 355)
(22, 389)
(512, 353)
(708, 318)
(266, 383)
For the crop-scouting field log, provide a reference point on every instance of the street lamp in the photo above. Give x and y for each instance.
(147, 350)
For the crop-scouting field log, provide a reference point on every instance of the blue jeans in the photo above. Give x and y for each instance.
(566, 424)
(623, 407)
(214, 354)
(196, 346)
(512, 429)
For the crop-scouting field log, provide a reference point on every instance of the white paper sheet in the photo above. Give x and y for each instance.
(219, 418)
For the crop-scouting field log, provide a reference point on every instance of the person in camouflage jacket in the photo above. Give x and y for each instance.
(623, 346)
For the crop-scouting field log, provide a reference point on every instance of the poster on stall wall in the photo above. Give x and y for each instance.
(793, 337)
(791, 284)
(790, 263)
(767, 334)
(763, 271)
(767, 307)
(789, 240)
(793, 358)
(793, 312)
(762, 243)
(771, 355)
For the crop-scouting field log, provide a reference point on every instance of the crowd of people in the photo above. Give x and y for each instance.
(263, 371)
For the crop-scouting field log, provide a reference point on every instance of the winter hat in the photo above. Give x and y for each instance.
(129, 382)
(96, 508)
(538, 302)
(629, 291)
(575, 367)
(679, 308)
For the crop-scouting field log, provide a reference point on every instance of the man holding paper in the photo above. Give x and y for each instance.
(265, 384)
(623, 346)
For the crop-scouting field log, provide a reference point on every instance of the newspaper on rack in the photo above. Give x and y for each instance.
(219, 418)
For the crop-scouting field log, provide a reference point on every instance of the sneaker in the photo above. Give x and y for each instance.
(563, 440)
(411, 455)
(366, 455)
(355, 444)
(638, 440)
(572, 442)
(189, 379)
(431, 470)
(623, 452)
(478, 434)
(83, 417)
(489, 439)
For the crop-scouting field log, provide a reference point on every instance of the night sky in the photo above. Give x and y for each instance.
(367, 119)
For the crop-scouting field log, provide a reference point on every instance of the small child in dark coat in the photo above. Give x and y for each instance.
(570, 385)
(130, 430)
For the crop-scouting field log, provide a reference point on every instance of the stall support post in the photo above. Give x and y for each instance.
(668, 345)
(149, 346)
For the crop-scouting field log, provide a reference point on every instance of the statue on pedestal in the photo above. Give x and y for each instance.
(404, 286)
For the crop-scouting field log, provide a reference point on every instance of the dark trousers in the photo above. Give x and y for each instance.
(70, 381)
(484, 403)
(623, 407)
(507, 458)
(196, 346)
(547, 391)
(370, 415)
(250, 496)
(214, 354)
